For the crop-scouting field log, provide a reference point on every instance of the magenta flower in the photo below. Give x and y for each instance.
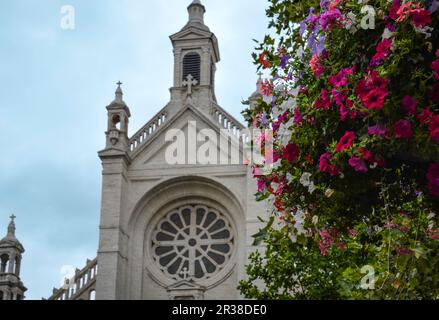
(425, 116)
(377, 130)
(409, 105)
(346, 141)
(324, 165)
(298, 117)
(403, 129)
(358, 164)
(290, 153)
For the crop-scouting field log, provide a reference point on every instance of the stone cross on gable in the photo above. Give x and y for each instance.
(13, 217)
(185, 273)
(189, 82)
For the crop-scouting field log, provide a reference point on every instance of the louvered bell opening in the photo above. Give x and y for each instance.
(191, 66)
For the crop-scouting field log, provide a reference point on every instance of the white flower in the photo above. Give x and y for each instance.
(431, 215)
(305, 180)
(329, 193)
(311, 188)
(426, 31)
(289, 177)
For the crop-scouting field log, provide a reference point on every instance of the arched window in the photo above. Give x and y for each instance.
(4, 263)
(93, 295)
(192, 66)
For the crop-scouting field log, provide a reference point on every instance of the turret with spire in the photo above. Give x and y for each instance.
(11, 250)
(118, 118)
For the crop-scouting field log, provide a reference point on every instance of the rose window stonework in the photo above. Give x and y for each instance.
(192, 242)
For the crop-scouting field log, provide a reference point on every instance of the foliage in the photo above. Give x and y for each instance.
(352, 99)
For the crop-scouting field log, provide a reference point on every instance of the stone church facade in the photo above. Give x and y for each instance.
(174, 227)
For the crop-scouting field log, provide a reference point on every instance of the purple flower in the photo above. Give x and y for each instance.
(264, 120)
(377, 130)
(284, 60)
(329, 18)
(302, 28)
(358, 164)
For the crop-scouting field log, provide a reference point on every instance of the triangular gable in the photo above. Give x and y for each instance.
(153, 151)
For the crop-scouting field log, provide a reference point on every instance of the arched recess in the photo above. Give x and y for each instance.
(159, 201)
(4, 263)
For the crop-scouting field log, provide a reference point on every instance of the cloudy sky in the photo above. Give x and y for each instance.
(54, 86)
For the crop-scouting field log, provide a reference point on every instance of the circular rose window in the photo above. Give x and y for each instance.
(192, 242)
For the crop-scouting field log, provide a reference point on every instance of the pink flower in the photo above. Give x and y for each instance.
(341, 78)
(393, 14)
(317, 67)
(433, 127)
(377, 130)
(261, 185)
(346, 141)
(358, 164)
(425, 116)
(266, 88)
(409, 105)
(290, 153)
(420, 18)
(375, 99)
(330, 18)
(433, 179)
(324, 165)
(383, 49)
(367, 155)
(372, 91)
(298, 117)
(326, 242)
(403, 129)
(324, 102)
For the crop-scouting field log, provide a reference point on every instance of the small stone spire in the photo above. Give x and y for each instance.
(258, 93)
(119, 93)
(11, 228)
(196, 12)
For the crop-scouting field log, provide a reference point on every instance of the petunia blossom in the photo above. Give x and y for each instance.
(409, 105)
(358, 164)
(346, 141)
(403, 129)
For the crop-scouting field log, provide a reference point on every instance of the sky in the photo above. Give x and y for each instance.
(54, 87)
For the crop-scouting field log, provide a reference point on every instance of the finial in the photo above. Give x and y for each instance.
(11, 228)
(259, 82)
(119, 93)
(196, 12)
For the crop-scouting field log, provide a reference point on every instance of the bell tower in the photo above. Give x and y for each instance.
(11, 250)
(196, 54)
(118, 118)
